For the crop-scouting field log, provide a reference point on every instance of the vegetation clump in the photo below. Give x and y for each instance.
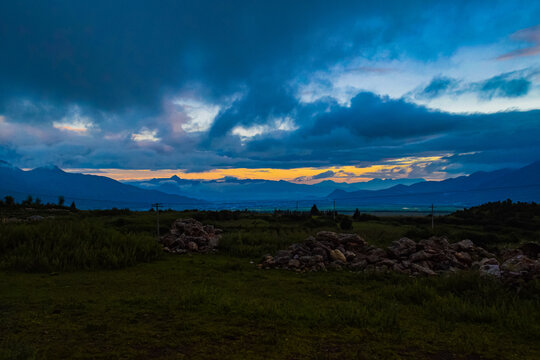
(72, 245)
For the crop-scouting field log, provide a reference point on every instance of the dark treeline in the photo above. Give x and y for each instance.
(31, 202)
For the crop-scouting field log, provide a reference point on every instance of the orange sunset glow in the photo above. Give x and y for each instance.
(395, 168)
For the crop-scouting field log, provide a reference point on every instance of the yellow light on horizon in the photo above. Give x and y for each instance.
(347, 174)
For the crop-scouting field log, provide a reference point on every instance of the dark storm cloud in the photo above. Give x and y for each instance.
(501, 86)
(370, 116)
(375, 128)
(265, 100)
(438, 86)
(112, 54)
(114, 62)
(507, 85)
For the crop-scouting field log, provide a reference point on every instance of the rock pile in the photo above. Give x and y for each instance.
(329, 250)
(521, 264)
(189, 235)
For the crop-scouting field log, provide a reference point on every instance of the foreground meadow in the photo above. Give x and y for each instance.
(119, 298)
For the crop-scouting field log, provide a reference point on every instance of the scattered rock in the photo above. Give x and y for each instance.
(189, 235)
(429, 257)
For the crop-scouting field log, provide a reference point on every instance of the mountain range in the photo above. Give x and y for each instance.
(87, 191)
(231, 189)
(91, 191)
(521, 184)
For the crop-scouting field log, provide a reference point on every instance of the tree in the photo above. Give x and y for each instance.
(356, 214)
(73, 207)
(29, 200)
(61, 200)
(314, 210)
(9, 200)
(38, 201)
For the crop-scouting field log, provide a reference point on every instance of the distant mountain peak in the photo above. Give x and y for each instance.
(175, 178)
(51, 168)
(337, 192)
(6, 166)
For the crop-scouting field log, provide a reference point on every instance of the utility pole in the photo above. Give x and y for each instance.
(432, 220)
(157, 205)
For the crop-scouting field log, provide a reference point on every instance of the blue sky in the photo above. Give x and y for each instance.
(225, 87)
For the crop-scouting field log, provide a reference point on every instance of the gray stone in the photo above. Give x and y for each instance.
(422, 270)
(294, 263)
(359, 265)
(402, 247)
(327, 236)
(463, 245)
(420, 256)
(491, 270)
(464, 258)
(338, 255)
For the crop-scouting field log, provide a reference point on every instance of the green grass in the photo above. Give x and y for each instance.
(55, 245)
(220, 306)
(217, 306)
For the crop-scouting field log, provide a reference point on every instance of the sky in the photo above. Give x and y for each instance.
(303, 91)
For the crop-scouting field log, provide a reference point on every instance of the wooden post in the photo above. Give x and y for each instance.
(157, 205)
(432, 218)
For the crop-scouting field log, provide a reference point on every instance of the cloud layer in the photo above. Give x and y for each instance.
(209, 84)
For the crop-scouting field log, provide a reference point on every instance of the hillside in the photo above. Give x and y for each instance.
(88, 191)
(521, 184)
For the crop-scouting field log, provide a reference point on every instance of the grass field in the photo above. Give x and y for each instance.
(220, 306)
